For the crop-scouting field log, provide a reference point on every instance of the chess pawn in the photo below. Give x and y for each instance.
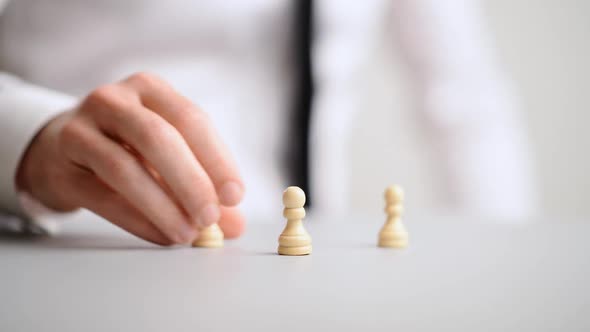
(210, 237)
(393, 234)
(294, 240)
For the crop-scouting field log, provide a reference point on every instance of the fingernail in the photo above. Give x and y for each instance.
(231, 193)
(187, 234)
(210, 214)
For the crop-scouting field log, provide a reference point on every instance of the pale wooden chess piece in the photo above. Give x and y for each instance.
(294, 240)
(210, 237)
(393, 234)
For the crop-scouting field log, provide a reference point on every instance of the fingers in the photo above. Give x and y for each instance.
(162, 146)
(232, 222)
(197, 130)
(122, 172)
(90, 193)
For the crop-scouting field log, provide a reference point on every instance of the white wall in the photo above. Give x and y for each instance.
(545, 47)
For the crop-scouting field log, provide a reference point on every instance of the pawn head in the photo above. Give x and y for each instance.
(394, 194)
(293, 197)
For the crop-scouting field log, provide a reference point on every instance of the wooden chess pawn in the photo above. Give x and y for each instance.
(294, 240)
(210, 237)
(393, 234)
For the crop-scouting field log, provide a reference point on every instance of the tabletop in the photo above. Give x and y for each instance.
(456, 274)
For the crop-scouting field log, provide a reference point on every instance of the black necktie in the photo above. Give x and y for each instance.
(298, 154)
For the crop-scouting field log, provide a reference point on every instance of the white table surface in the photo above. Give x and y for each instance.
(457, 275)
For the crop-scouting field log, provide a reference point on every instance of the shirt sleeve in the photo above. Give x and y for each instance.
(341, 50)
(470, 108)
(24, 110)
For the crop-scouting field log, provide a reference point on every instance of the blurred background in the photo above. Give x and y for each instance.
(543, 47)
(514, 77)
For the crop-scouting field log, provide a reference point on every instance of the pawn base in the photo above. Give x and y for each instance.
(294, 251)
(395, 241)
(208, 244)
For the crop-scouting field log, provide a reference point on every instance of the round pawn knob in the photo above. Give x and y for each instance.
(394, 194)
(293, 197)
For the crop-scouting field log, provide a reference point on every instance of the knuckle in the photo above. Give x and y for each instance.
(103, 95)
(184, 113)
(74, 137)
(198, 115)
(189, 118)
(145, 79)
(155, 132)
(71, 131)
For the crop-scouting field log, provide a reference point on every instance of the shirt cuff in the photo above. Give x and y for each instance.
(24, 110)
(39, 219)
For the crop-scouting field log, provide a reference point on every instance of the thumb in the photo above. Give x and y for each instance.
(232, 222)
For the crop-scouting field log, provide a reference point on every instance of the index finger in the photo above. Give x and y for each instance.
(198, 131)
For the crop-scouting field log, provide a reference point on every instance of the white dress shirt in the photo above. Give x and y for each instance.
(234, 59)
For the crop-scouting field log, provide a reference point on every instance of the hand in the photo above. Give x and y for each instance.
(140, 155)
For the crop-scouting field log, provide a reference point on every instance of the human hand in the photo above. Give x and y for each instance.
(140, 155)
